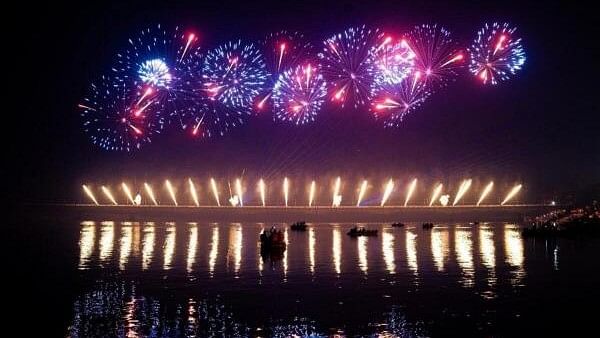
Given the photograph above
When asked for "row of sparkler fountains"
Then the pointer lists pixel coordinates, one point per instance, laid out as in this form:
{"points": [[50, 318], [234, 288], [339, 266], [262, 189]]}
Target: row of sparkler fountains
{"points": [[237, 199]]}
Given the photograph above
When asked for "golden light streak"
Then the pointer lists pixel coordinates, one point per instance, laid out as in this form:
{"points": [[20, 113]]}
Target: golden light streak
{"points": [[388, 191], [486, 191], [488, 252], [361, 192], [311, 194], [387, 247], [150, 193], [108, 195], [436, 193], [213, 185], [311, 249], [234, 251], [148, 246], [440, 247], [285, 190], [462, 190], [512, 193], [127, 192], [410, 191], [286, 239], [169, 247], [214, 250], [239, 192], [513, 246], [193, 192], [363, 262], [463, 245], [90, 194], [262, 189], [337, 198], [86, 245], [107, 236], [192, 245], [171, 191], [125, 246], [411, 252], [336, 250]]}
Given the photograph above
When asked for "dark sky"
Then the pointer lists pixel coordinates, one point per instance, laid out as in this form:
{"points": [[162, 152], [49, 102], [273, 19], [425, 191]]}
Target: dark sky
{"points": [[540, 128]]}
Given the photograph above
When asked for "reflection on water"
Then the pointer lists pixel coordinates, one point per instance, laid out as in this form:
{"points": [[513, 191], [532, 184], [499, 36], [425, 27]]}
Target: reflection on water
{"points": [[464, 255], [485, 258]]}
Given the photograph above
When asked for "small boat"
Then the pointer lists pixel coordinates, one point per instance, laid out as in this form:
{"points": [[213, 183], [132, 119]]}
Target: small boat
{"points": [[397, 224], [427, 225], [272, 239], [298, 226], [361, 231]]}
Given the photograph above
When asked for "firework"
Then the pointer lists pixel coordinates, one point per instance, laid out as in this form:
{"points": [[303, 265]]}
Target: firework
{"points": [[486, 191], [512, 193], [171, 191], [462, 190], [262, 189], [392, 63], [388, 191], [119, 116], [90, 194], [410, 191], [127, 193], [282, 51], [394, 102], [286, 188], [234, 74], [239, 191], [150, 193], [346, 60], [299, 94], [337, 198], [215, 191], [436, 193], [109, 195], [165, 62], [361, 192], [496, 54], [193, 192], [311, 194], [437, 56]]}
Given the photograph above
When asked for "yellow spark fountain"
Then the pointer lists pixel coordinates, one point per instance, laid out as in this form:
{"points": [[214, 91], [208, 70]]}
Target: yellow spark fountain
{"points": [[512, 193], [486, 191], [127, 192], [193, 192], [150, 193], [388, 191], [286, 187], [109, 195], [436, 193], [462, 190], [171, 191], [311, 194], [238, 191], [410, 191], [213, 185], [262, 190], [90, 194], [361, 192]]}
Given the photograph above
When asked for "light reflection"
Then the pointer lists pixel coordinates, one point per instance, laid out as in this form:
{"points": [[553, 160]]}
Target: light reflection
{"points": [[87, 235], [147, 246], [440, 247], [411, 252], [192, 244], [387, 247], [131, 324], [513, 244], [107, 236], [337, 250], [285, 252], [464, 255], [311, 249], [259, 256], [363, 263], [125, 246], [169, 248], [234, 251], [488, 252], [214, 250]]}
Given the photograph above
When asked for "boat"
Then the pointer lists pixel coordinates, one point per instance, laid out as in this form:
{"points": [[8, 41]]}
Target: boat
{"points": [[272, 239], [397, 224], [299, 226], [427, 225], [361, 231]]}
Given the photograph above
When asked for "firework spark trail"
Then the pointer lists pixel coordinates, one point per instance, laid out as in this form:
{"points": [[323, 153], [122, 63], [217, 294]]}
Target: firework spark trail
{"points": [[337, 198], [215, 191], [127, 192], [262, 190], [361, 193], [436, 193], [513, 192], [109, 195], [193, 192], [410, 191], [150, 193], [239, 192], [392, 64], [486, 191], [311, 194], [495, 55], [171, 192], [285, 190], [388, 191], [90, 194], [462, 190], [190, 39]]}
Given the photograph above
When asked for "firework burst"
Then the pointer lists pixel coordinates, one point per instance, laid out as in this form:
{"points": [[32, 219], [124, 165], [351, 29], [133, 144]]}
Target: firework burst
{"points": [[496, 53], [395, 101], [392, 63], [282, 50], [299, 94], [346, 62], [437, 56], [162, 62], [119, 116]]}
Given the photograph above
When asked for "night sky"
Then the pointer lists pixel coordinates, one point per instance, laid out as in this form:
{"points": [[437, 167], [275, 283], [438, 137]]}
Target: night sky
{"points": [[539, 128]]}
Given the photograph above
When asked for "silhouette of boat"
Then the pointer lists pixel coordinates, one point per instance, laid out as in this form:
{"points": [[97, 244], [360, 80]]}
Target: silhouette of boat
{"points": [[361, 231], [397, 224], [427, 225], [272, 240], [299, 226]]}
